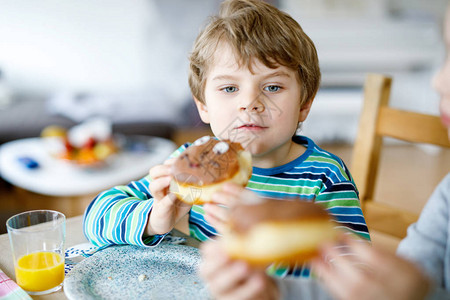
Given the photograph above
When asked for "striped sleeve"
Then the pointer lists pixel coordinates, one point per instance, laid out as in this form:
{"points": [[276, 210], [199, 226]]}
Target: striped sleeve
{"points": [[120, 214]]}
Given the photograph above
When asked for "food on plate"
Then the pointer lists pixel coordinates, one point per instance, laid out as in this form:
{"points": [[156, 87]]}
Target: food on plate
{"points": [[87, 144], [142, 277], [205, 166], [54, 131], [281, 231]]}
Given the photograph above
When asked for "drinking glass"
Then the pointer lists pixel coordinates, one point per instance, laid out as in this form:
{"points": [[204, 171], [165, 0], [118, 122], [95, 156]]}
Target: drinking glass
{"points": [[37, 242]]}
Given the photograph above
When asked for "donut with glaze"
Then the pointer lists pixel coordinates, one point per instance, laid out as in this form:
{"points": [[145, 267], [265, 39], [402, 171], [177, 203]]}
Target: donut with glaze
{"points": [[278, 231], [205, 166]]}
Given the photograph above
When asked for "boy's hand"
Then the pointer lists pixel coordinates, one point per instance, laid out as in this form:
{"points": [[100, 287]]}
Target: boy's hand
{"points": [[233, 279], [167, 209], [217, 213]]}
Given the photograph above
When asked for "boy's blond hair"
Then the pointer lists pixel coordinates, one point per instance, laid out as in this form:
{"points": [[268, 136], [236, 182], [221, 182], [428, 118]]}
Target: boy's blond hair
{"points": [[255, 30]]}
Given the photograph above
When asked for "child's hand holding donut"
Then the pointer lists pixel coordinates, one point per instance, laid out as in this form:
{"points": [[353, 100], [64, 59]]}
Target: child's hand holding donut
{"points": [[234, 279], [205, 166], [167, 209]]}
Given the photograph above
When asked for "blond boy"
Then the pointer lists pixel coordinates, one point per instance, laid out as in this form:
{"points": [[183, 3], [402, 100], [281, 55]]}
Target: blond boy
{"points": [[253, 75]]}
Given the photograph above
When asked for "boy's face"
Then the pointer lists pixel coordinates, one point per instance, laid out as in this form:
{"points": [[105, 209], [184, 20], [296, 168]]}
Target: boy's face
{"points": [[441, 81], [261, 110]]}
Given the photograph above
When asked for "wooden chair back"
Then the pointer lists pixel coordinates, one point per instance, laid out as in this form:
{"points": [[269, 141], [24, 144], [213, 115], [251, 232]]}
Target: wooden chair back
{"points": [[379, 120]]}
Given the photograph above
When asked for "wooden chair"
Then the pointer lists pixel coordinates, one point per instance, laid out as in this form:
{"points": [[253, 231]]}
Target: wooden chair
{"points": [[378, 120]]}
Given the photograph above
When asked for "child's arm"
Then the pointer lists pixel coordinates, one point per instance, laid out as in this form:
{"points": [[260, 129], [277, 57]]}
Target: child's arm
{"points": [[428, 240], [121, 214]]}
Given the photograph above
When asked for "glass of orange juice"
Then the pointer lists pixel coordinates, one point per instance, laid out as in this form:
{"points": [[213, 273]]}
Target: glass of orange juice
{"points": [[37, 241]]}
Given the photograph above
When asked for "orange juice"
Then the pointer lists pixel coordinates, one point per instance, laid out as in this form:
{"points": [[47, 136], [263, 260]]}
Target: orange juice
{"points": [[40, 271]]}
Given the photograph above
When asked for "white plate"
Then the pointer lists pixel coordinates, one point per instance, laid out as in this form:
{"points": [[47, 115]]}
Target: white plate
{"points": [[128, 272], [58, 178]]}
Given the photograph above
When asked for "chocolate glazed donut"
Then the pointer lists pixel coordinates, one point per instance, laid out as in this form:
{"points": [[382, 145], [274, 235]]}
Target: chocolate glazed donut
{"points": [[205, 166]]}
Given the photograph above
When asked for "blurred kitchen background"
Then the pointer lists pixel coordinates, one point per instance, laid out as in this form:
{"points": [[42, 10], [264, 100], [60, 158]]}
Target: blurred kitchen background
{"points": [[64, 61]]}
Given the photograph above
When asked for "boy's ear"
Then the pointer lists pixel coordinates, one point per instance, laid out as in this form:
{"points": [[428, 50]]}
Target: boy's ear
{"points": [[304, 110], [202, 111]]}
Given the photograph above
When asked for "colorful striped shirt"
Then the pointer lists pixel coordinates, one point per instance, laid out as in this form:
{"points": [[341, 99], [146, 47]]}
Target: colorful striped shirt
{"points": [[119, 215]]}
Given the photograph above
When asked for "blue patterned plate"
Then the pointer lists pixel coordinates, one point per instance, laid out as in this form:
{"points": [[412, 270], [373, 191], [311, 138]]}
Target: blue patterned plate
{"points": [[84, 249], [128, 272], [75, 254]]}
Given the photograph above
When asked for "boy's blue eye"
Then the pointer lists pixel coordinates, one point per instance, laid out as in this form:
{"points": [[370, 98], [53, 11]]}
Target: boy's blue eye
{"points": [[272, 88], [230, 89]]}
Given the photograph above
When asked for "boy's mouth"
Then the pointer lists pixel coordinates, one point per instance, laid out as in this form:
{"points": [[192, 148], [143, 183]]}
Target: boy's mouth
{"points": [[251, 127]]}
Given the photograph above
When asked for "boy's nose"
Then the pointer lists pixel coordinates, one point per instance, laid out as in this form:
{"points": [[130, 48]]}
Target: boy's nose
{"points": [[255, 106]]}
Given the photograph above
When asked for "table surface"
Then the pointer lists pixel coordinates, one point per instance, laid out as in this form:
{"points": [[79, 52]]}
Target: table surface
{"points": [[56, 177], [74, 236]]}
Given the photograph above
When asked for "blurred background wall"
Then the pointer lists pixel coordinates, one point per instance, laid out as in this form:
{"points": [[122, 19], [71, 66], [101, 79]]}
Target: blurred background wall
{"points": [[128, 59], [401, 38]]}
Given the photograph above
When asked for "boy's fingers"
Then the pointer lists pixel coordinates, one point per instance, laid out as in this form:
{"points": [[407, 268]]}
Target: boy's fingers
{"points": [[253, 287], [372, 256], [340, 265], [218, 212], [158, 187], [224, 198], [210, 247], [240, 192], [211, 266], [221, 273], [348, 267], [213, 249], [228, 278], [216, 223], [363, 256], [334, 281], [160, 171], [170, 161], [160, 184], [232, 188]]}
